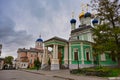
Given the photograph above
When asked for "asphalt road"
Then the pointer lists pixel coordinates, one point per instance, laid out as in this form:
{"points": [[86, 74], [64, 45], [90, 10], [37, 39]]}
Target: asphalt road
{"points": [[21, 75]]}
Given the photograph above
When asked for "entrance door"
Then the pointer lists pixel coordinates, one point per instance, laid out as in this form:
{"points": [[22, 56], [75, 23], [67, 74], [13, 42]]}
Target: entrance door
{"points": [[60, 58]]}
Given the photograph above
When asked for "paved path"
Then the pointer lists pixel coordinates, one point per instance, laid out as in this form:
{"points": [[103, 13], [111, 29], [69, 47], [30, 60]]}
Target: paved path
{"points": [[64, 75], [22, 75]]}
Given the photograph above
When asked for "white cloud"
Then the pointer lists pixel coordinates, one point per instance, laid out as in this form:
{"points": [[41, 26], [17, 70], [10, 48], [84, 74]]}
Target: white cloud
{"points": [[26, 19]]}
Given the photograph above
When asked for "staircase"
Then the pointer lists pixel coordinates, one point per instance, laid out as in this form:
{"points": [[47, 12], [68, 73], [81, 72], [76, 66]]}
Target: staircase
{"points": [[63, 67], [46, 68]]}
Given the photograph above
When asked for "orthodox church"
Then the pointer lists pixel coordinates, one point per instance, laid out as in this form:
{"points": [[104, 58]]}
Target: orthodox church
{"points": [[73, 53], [77, 51]]}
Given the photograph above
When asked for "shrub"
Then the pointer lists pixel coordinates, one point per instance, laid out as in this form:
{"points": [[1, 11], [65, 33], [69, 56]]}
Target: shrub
{"points": [[97, 71]]}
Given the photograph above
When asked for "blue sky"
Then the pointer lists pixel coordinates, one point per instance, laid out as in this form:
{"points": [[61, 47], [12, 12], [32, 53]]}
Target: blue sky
{"points": [[21, 21]]}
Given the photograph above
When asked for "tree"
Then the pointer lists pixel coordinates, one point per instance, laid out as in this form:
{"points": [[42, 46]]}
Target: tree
{"points": [[107, 33], [37, 63], [8, 60]]}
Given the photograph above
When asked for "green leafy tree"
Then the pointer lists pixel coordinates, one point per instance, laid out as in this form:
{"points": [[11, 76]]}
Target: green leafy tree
{"points": [[37, 63], [107, 33], [8, 60]]}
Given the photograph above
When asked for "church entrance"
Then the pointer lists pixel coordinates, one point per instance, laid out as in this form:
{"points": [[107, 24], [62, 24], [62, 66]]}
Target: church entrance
{"points": [[60, 58], [59, 48]]}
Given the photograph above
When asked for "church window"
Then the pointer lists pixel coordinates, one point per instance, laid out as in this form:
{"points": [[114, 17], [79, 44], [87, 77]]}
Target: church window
{"points": [[75, 53], [85, 37], [87, 56], [80, 37], [77, 37], [87, 51]]}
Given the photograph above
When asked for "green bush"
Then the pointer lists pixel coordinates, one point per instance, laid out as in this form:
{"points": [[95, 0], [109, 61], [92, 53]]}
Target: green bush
{"points": [[32, 68], [97, 71]]}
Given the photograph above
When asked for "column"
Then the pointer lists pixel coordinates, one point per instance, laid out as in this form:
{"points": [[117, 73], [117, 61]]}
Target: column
{"points": [[55, 60], [44, 61], [82, 53], [56, 53], [70, 58], [66, 54]]}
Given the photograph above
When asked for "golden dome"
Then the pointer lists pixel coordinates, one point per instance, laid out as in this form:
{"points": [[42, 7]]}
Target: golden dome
{"points": [[81, 14]]}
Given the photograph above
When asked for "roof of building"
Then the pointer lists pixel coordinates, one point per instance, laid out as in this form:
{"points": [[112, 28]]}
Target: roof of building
{"points": [[81, 14], [39, 40], [72, 21], [95, 21], [81, 27], [34, 50], [57, 38], [87, 14], [84, 41], [29, 50], [22, 50]]}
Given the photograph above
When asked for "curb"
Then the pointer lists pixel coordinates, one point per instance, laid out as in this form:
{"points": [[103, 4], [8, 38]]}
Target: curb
{"points": [[51, 75], [114, 78]]}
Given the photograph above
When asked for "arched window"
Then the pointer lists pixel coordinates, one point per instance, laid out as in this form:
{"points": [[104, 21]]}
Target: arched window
{"points": [[87, 56], [75, 53]]}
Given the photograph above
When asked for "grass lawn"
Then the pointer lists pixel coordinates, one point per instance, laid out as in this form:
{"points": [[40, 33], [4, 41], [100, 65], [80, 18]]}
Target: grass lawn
{"points": [[98, 71]]}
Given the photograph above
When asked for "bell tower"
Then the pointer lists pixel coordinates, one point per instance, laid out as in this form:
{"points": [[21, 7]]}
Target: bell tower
{"points": [[39, 43]]}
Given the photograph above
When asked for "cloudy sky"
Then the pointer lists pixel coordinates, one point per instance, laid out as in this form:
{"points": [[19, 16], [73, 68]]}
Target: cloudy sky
{"points": [[22, 21]]}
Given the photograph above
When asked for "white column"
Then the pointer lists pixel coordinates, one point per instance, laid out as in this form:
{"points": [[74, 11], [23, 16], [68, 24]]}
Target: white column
{"points": [[70, 58], [66, 54], [43, 59], [82, 53], [56, 52], [55, 60]]}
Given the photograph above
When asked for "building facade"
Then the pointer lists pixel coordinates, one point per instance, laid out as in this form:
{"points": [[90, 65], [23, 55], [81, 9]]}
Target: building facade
{"points": [[26, 57], [77, 52]]}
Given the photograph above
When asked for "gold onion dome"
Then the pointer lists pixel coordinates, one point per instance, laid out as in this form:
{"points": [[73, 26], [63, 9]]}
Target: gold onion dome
{"points": [[81, 14]]}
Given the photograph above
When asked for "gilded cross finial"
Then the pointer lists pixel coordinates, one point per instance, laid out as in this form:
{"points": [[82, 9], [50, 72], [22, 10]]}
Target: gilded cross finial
{"points": [[72, 14], [40, 36]]}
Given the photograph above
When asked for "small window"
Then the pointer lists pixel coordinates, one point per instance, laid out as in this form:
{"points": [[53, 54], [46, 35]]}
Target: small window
{"points": [[87, 55], [77, 37], [85, 37], [76, 54]]}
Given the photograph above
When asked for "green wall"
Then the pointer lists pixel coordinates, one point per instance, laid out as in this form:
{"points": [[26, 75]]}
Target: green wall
{"points": [[85, 46], [107, 62], [76, 45]]}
